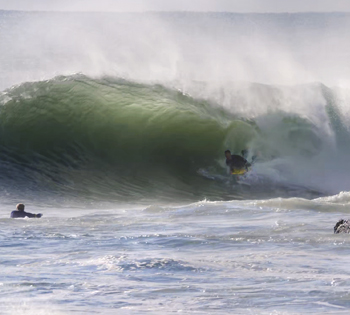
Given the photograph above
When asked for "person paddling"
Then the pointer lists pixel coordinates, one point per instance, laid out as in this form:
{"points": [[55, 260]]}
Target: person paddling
{"points": [[20, 213]]}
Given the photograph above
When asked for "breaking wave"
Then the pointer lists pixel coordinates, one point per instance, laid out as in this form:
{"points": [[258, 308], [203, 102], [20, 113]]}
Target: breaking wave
{"points": [[85, 136]]}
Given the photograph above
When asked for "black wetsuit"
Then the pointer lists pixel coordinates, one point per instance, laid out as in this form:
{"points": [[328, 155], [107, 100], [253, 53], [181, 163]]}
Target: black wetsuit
{"points": [[23, 214], [237, 162], [342, 226]]}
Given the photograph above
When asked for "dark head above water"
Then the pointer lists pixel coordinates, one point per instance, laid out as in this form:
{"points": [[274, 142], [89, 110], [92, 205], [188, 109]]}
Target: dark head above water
{"points": [[20, 213], [342, 226], [244, 153], [20, 207], [228, 154]]}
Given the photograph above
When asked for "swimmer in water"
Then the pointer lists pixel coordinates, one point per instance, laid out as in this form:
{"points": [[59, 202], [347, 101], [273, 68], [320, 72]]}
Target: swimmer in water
{"points": [[20, 213]]}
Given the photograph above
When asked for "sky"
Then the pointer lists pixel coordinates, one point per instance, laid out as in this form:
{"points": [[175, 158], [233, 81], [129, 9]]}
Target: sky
{"points": [[259, 6]]}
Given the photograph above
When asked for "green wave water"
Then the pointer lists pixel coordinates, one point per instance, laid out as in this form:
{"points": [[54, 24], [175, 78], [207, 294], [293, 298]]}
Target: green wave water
{"points": [[110, 137]]}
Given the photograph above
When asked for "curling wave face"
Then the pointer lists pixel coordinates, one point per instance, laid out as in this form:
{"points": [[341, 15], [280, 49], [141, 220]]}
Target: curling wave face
{"points": [[96, 137]]}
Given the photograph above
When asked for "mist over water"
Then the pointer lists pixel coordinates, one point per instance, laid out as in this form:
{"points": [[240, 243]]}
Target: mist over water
{"points": [[181, 47]]}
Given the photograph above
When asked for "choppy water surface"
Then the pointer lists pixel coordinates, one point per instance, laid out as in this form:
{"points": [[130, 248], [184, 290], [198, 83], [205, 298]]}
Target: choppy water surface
{"points": [[260, 257]]}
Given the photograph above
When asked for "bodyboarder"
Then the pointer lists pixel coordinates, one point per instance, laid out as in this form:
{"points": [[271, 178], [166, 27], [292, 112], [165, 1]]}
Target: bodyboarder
{"points": [[235, 162], [20, 213]]}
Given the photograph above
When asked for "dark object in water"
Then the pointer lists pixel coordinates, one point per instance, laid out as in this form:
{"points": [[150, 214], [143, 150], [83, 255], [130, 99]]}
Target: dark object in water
{"points": [[342, 226]]}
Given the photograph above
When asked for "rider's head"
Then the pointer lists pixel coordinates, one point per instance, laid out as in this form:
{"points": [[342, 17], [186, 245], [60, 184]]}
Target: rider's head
{"points": [[20, 207]]}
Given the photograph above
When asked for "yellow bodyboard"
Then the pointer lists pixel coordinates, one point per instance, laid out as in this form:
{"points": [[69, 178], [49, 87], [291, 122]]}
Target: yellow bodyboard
{"points": [[240, 171]]}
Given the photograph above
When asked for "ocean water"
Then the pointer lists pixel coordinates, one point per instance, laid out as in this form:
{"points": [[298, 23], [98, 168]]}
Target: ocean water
{"points": [[114, 127]]}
